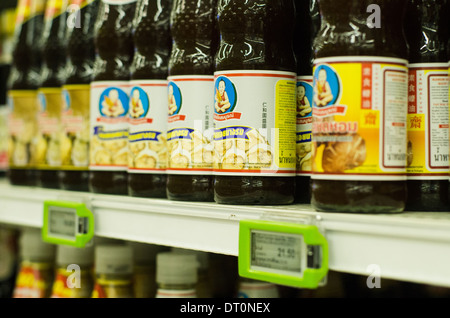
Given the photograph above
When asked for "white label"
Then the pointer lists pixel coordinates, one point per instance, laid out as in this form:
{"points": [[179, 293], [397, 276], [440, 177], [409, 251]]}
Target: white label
{"points": [[258, 290], [169, 293], [395, 105], [189, 134], [428, 121], [109, 125], [255, 123], [147, 127], [304, 124]]}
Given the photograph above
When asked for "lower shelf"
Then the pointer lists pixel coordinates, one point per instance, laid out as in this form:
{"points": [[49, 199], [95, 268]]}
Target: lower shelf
{"points": [[411, 246]]}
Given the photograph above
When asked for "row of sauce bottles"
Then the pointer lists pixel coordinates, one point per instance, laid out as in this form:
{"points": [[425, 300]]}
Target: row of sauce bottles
{"points": [[344, 105], [110, 268]]}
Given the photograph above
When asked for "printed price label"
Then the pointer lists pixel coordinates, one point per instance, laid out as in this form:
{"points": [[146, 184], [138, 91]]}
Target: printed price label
{"points": [[278, 252]]}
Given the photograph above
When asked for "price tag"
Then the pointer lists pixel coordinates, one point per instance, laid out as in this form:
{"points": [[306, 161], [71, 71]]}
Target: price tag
{"points": [[69, 223], [282, 253]]}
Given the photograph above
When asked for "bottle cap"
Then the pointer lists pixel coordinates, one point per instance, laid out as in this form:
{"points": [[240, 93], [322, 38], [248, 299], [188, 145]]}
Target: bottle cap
{"points": [[33, 248], [83, 256], [113, 259], [176, 268]]}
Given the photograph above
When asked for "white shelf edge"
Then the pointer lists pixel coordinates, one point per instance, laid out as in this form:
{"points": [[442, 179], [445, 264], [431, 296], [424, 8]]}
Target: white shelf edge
{"points": [[407, 246]]}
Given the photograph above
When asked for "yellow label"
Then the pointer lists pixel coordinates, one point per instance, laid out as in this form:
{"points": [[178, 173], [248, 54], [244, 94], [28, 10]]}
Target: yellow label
{"points": [[48, 148], [23, 11], [359, 118], [285, 123], [22, 129], [33, 281], [55, 8], [75, 127], [61, 288], [428, 121]]}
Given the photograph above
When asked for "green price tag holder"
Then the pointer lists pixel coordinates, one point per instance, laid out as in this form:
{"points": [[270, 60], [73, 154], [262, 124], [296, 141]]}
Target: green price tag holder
{"points": [[67, 223], [289, 254]]}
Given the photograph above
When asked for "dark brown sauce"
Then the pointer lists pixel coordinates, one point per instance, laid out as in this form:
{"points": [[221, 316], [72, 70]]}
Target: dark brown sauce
{"points": [[193, 31], [80, 66], [25, 75], [306, 27], [264, 27], [153, 44], [113, 25], [53, 74], [427, 32], [344, 32]]}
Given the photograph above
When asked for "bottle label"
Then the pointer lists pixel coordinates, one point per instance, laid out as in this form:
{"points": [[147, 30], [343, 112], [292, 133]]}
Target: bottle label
{"points": [[61, 289], [48, 148], [32, 281], [23, 129], [169, 293], [3, 138], [81, 3], [104, 288], [304, 124], [254, 118], [75, 127], [148, 127], [258, 290], [23, 11], [118, 2], [359, 118], [189, 134], [109, 126], [428, 121], [98, 292], [55, 8]]}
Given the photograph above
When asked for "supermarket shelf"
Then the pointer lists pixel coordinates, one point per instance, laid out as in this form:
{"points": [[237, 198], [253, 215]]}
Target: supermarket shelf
{"points": [[408, 246]]}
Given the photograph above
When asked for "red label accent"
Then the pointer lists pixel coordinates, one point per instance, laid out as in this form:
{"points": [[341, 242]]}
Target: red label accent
{"points": [[177, 118], [222, 117]]}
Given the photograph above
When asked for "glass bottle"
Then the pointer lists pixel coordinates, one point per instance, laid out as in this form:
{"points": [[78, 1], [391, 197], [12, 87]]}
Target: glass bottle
{"points": [[113, 271], [359, 108], [109, 104], [23, 82], [176, 275], [191, 77], [148, 100], [74, 272], [53, 74], [37, 265], [307, 25], [254, 113], [428, 117], [74, 173]]}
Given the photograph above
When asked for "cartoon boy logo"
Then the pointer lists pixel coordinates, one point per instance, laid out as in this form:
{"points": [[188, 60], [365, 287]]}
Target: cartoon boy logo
{"points": [[174, 99], [65, 101], [112, 105], [303, 105], [139, 103], [225, 96], [323, 94]]}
